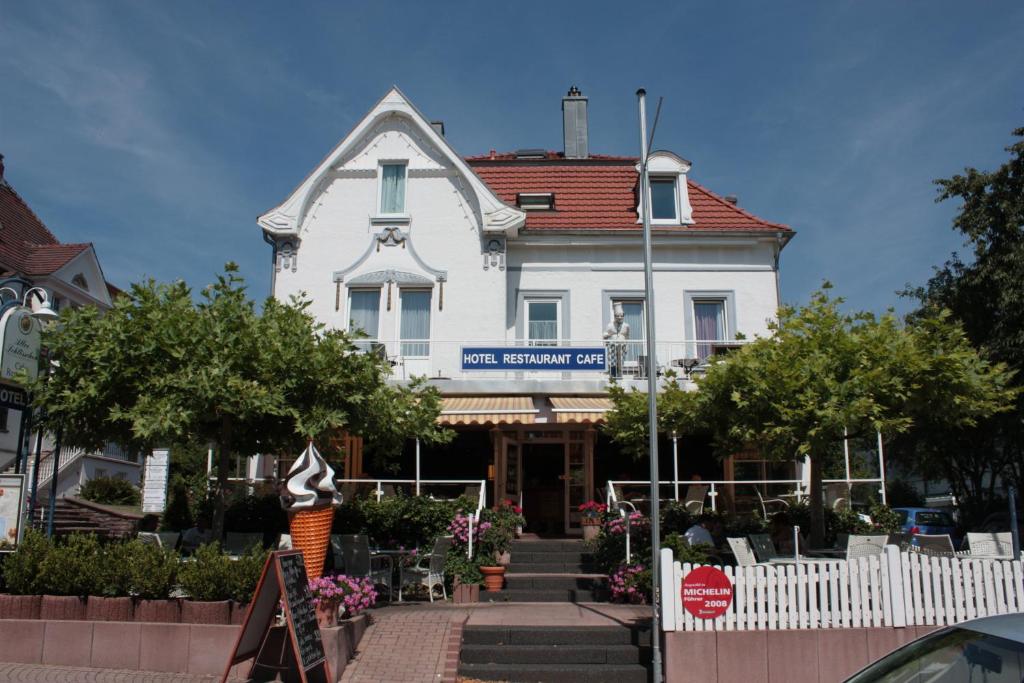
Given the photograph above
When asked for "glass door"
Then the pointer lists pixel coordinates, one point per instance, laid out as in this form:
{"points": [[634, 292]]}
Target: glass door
{"points": [[576, 480]]}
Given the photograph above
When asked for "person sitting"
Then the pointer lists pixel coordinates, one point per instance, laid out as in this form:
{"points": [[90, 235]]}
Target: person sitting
{"points": [[196, 536], [700, 532]]}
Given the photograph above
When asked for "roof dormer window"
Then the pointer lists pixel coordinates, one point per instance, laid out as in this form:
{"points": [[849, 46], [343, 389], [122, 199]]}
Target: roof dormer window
{"points": [[536, 201], [663, 198], [667, 189]]}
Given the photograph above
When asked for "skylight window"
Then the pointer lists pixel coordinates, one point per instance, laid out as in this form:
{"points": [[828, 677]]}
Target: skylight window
{"points": [[536, 201]]}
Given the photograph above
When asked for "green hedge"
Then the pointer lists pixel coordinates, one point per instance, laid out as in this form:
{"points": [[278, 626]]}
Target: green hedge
{"points": [[408, 521], [110, 491]]}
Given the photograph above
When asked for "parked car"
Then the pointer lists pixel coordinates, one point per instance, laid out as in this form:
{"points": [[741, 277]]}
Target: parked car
{"points": [[928, 521], [990, 649]]}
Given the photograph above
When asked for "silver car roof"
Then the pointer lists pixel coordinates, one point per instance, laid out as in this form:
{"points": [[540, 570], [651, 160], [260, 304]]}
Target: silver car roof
{"points": [[1008, 626]]}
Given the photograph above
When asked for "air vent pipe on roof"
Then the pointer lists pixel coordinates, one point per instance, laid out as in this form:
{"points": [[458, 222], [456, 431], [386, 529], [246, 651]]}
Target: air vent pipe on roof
{"points": [[732, 199], [574, 124]]}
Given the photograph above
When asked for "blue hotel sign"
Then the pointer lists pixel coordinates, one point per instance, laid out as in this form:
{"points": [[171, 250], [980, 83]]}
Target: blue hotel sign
{"points": [[554, 358]]}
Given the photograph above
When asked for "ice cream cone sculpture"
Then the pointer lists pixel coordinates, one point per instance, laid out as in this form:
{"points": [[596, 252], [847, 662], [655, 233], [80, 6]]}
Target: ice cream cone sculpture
{"points": [[310, 498]]}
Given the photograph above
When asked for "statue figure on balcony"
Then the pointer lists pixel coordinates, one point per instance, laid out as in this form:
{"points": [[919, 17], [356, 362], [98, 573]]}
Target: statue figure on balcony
{"points": [[616, 334]]}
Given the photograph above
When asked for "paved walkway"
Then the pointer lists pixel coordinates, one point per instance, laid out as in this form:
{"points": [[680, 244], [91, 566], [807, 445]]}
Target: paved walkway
{"points": [[409, 644], [74, 674]]}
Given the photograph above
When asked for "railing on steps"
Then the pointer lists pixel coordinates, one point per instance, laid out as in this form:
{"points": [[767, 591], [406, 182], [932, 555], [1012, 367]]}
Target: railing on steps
{"points": [[69, 457]]}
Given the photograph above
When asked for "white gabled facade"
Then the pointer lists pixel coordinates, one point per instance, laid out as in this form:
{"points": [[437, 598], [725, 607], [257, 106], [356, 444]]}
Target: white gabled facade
{"points": [[394, 221]]}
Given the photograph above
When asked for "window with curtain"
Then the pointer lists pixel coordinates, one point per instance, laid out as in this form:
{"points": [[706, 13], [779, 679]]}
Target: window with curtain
{"points": [[633, 315], [663, 198], [709, 325], [364, 314], [542, 323], [392, 188], [414, 326]]}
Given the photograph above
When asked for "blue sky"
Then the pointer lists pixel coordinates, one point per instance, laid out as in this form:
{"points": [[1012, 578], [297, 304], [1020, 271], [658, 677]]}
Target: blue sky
{"points": [[159, 131]]}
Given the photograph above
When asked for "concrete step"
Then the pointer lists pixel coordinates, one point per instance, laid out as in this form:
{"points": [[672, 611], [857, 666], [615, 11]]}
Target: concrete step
{"points": [[544, 595], [550, 556], [552, 581], [550, 568], [549, 545], [556, 635], [563, 654], [556, 673]]}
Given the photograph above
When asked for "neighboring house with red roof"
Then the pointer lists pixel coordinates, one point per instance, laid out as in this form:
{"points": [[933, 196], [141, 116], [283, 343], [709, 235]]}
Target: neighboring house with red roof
{"points": [[509, 280], [71, 275]]}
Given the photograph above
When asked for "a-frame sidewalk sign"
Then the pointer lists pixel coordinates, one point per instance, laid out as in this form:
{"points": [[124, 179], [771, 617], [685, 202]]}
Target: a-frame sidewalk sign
{"points": [[300, 655]]}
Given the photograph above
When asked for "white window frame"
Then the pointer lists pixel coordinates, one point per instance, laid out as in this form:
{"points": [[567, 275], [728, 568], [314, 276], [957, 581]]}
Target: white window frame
{"points": [[398, 320], [404, 163], [375, 336], [558, 320], [675, 198]]}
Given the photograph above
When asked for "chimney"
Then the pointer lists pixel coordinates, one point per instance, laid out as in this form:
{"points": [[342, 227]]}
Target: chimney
{"points": [[1, 166], [574, 124], [438, 127]]}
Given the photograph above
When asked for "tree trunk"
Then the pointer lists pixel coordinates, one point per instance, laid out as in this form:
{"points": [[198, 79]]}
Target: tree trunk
{"points": [[220, 495], [817, 505]]}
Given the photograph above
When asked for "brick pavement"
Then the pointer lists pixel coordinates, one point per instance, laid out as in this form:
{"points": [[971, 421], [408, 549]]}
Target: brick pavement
{"points": [[409, 644], [30, 673]]}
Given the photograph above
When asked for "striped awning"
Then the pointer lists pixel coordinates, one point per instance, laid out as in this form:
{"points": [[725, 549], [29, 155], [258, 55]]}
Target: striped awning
{"points": [[487, 410], [579, 408]]}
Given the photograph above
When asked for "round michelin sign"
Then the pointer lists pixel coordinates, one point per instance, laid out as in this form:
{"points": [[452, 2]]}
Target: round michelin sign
{"points": [[706, 592]]}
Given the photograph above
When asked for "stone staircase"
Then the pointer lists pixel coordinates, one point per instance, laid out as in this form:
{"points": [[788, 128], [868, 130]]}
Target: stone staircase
{"points": [[550, 571], [72, 515], [560, 654]]}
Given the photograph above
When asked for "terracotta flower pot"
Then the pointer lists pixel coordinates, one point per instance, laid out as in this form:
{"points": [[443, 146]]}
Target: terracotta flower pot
{"points": [[494, 578], [158, 611], [465, 593], [591, 529], [505, 558], [327, 614], [19, 606], [99, 608], [238, 610], [62, 608], [206, 612]]}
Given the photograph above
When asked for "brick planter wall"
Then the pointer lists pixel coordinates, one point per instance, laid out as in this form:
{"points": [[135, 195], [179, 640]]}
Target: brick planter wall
{"points": [[203, 612], [133, 646], [108, 609], [62, 607], [158, 611]]}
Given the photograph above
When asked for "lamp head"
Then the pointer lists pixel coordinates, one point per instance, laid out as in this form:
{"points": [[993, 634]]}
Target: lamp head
{"points": [[45, 312]]}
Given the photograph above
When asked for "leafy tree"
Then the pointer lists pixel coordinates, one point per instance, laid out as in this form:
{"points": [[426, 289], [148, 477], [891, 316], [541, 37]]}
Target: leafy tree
{"points": [[822, 374], [984, 293], [628, 424], [160, 368]]}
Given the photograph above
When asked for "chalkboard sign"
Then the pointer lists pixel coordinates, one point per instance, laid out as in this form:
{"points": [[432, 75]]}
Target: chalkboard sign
{"points": [[284, 574], [299, 604]]}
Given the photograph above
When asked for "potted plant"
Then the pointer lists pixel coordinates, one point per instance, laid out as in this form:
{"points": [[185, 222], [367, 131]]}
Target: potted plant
{"points": [[493, 541], [507, 518], [591, 519], [327, 596], [67, 575], [153, 574], [207, 582], [245, 574], [21, 575], [466, 576], [110, 601]]}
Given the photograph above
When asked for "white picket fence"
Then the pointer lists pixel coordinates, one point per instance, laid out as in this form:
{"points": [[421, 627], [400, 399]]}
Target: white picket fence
{"points": [[892, 589]]}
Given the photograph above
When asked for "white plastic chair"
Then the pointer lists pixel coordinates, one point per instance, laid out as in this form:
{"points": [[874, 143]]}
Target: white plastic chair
{"points": [[765, 502], [695, 495], [430, 574], [994, 545], [864, 546], [743, 552], [934, 544]]}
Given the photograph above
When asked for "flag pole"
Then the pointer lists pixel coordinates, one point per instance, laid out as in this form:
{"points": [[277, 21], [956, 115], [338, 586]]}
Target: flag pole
{"points": [[652, 394]]}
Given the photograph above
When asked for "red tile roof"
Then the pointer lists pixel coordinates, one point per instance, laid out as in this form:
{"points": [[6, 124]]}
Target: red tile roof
{"points": [[27, 247], [599, 193]]}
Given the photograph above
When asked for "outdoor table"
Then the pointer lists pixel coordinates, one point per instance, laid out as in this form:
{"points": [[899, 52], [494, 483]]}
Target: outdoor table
{"points": [[399, 558]]}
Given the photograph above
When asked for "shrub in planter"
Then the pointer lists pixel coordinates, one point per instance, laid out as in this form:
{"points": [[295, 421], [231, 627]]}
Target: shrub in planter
{"points": [[68, 573], [245, 574], [110, 491], [21, 577], [110, 601], [207, 581], [153, 574]]}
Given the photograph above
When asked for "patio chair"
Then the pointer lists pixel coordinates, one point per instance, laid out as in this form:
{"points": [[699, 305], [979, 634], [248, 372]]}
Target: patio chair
{"points": [[934, 544], [695, 496], [149, 538], [357, 560], [238, 543], [763, 547], [742, 551], [865, 546], [169, 539], [766, 502], [904, 541], [994, 545], [284, 542], [428, 570], [387, 491], [837, 496], [348, 492]]}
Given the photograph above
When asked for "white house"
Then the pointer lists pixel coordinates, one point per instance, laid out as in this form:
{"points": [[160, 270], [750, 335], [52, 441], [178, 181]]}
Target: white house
{"points": [[70, 275], [454, 263]]}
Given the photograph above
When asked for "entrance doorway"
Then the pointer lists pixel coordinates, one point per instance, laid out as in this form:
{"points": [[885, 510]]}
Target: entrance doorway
{"points": [[544, 488]]}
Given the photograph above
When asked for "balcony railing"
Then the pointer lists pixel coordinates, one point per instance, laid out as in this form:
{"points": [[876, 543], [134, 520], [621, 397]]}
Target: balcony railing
{"points": [[438, 358]]}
